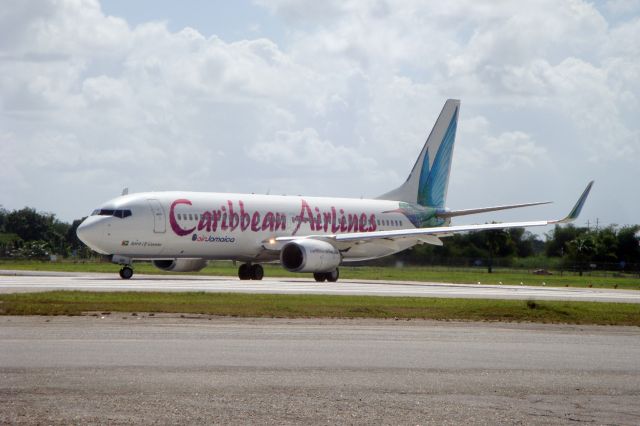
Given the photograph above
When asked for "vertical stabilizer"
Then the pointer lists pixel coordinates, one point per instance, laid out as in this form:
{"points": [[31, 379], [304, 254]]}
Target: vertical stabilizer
{"points": [[429, 179]]}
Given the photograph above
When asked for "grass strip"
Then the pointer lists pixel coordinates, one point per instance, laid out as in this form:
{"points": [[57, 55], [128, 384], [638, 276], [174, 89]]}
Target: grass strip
{"points": [[406, 273], [320, 306]]}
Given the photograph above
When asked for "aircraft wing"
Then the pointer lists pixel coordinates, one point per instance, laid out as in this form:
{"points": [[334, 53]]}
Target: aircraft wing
{"points": [[432, 235]]}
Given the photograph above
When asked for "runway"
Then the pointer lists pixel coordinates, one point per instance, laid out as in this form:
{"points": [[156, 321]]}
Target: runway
{"points": [[124, 369], [27, 281]]}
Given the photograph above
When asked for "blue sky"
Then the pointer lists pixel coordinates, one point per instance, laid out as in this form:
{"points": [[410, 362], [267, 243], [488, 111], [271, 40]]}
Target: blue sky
{"points": [[330, 98]]}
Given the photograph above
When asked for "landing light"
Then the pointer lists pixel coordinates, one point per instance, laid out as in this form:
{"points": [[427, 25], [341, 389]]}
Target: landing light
{"points": [[272, 240]]}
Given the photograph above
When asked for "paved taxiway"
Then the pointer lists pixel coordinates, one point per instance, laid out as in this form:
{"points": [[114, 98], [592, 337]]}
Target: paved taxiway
{"points": [[23, 281], [166, 369]]}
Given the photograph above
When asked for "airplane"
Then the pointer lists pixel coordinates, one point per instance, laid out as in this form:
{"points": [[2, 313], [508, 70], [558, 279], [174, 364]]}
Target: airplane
{"points": [[180, 231]]}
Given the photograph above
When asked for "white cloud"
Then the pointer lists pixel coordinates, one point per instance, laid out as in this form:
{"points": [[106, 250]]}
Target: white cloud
{"points": [[90, 104], [307, 151], [484, 152], [511, 150]]}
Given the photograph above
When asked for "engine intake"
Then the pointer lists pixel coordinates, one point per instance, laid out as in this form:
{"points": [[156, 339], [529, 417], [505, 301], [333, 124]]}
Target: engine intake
{"points": [[307, 255], [180, 265]]}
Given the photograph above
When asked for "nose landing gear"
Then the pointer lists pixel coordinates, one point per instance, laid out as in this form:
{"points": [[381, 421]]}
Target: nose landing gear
{"points": [[247, 271], [126, 272]]}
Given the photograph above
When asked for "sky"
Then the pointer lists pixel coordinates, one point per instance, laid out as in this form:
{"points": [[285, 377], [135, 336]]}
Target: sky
{"points": [[332, 98]]}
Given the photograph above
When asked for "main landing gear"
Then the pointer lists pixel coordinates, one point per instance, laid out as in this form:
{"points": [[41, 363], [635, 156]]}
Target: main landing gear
{"points": [[332, 276], [126, 272], [247, 271]]}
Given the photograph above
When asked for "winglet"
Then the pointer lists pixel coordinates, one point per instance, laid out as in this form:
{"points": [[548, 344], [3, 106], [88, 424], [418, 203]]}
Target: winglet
{"points": [[575, 211]]}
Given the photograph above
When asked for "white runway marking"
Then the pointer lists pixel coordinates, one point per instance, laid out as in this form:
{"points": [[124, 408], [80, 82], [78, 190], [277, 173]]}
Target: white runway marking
{"points": [[19, 281]]}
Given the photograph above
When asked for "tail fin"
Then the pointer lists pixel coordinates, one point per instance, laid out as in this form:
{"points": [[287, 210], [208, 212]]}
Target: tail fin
{"points": [[429, 179]]}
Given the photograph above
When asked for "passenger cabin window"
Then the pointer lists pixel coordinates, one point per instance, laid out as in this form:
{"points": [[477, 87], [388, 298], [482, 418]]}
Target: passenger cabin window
{"points": [[190, 216]]}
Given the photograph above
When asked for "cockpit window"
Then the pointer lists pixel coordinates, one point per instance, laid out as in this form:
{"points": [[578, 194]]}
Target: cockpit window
{"points": [[110, 212], [122, 213]]}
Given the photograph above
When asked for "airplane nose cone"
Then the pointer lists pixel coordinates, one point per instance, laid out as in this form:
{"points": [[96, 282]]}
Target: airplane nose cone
{"points": [[91, 233]]}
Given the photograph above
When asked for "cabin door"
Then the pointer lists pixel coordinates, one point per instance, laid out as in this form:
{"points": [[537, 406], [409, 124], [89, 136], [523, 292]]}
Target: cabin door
{"points": [[159, 221]]}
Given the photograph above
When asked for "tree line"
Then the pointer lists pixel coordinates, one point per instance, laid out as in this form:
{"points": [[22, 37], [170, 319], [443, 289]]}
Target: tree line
{"points": [[27, 233], [567, 246]]}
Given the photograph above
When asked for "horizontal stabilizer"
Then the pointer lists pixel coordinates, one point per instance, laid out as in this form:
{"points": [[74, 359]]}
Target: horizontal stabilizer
{"points": [[454, 213]]}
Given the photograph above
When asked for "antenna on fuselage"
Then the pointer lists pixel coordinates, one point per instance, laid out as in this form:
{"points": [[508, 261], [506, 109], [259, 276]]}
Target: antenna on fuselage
{"points": [[125, 191]]}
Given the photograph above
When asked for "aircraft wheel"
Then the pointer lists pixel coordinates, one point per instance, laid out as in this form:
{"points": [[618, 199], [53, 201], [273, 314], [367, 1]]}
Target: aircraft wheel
{"points": [[256, 272], [126, 273], [332, 276], [244, 272], [320, 276]]}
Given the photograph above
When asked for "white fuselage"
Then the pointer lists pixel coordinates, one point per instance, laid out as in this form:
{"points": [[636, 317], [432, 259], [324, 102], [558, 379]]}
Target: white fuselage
{"points": [[168, 225]]}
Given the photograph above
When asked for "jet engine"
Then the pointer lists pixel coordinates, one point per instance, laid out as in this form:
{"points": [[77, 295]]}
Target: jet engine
{"points": [[180, 265], [307, 255]]}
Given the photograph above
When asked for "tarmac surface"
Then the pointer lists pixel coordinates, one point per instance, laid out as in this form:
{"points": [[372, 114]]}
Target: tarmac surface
{"points": [[29, 281], [126, 368]]}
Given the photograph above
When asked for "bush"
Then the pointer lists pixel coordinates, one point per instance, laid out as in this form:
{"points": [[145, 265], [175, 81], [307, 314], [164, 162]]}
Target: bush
{"points": [[32, 250]]}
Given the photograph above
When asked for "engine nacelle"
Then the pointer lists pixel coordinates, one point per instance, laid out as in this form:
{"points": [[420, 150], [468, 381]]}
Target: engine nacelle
{"points": [[306, 255], [180, 265]]}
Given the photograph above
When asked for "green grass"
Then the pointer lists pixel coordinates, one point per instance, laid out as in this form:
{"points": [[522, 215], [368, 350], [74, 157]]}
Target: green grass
{"points": [[406, 273], [499, 276], [323, 306]]}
